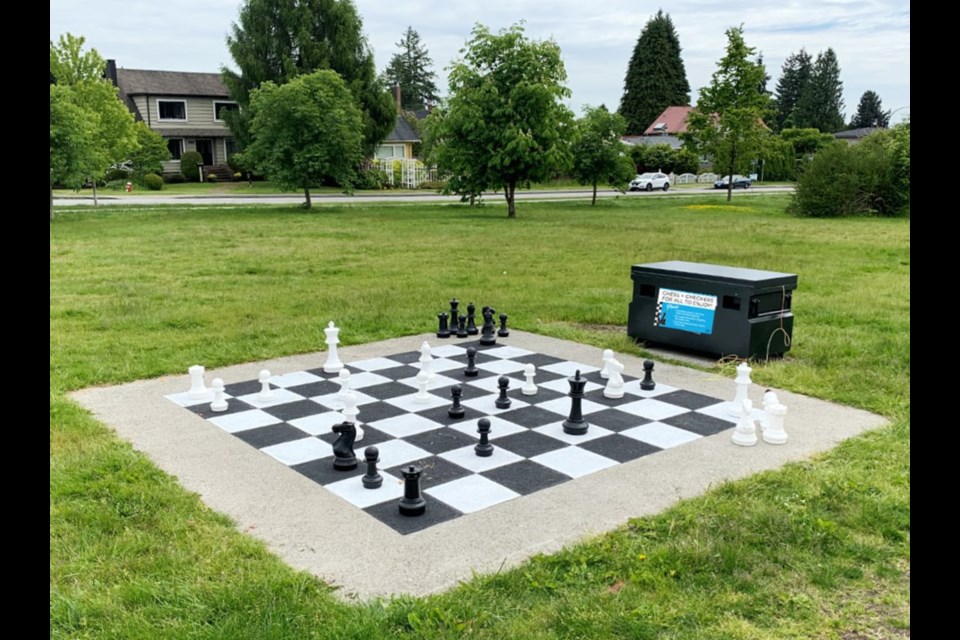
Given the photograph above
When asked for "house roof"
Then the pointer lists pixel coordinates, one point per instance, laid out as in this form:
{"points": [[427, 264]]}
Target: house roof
{"points": [[856, 133], [402, 132], [171, 83], [194, 133], [672, 121], [673, 141]]}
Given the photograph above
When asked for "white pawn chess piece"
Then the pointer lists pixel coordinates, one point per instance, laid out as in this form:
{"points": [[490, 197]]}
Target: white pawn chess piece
{"points": [[426, 360], [529, 388], [607, 357], [266, 393], [423, 378], [219, 401], [333, 364], [745, 433], [769, 399], [350, 413], [774, 433], [743, 386], [198, 390], [614, 388], [345, 387]]}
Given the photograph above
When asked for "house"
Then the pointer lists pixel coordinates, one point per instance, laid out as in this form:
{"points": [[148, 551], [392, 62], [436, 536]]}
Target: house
{"points": [[853, 136], [398, 144], [184, 107], [665, 129]]}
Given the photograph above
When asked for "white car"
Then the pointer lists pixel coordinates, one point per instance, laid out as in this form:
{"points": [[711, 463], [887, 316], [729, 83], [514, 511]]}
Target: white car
{"points": [[649, 182]]}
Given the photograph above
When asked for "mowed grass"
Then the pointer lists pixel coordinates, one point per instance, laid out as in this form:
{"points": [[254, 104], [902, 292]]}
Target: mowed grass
{"points": [[819, 549]]}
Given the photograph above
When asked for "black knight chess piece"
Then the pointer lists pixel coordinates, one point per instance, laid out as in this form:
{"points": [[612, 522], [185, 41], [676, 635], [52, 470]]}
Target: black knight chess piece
{"points": [[343, 457]]}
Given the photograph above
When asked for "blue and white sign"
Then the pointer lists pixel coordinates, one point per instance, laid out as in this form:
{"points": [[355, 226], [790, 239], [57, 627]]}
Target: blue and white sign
{"points": [[685, 311]]}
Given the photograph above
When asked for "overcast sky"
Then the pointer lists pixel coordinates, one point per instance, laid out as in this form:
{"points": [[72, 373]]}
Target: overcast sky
{"points": [[870, 37]]}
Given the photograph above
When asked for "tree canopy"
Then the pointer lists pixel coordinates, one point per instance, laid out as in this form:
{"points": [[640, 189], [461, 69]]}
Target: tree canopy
{"points": [[794, 81], [504, 124], [870, 112], [305, 131], [656, 78], [820, 104], [598, 153], [411, 69], [278, 40]]}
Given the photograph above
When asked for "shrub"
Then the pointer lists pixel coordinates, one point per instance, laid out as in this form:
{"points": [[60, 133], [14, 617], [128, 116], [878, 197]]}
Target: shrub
{"points": [[116, 173], [237, 177], [188, 165], [174, 178], [371, 178], [433, 185], [116, 185], [211, 177], [153, 182]]}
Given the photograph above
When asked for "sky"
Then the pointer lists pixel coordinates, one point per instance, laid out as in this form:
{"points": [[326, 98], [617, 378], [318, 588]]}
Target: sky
{"points": [[871, 38]]}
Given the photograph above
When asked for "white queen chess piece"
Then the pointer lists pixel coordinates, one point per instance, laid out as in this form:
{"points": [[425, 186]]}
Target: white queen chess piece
{"points": [[333, 364]]}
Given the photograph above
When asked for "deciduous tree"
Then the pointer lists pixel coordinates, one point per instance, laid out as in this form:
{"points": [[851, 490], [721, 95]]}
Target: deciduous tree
{"points": [[72, 141], [598, 153]]}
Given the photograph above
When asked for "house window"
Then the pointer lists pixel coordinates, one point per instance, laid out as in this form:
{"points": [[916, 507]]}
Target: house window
{"points": [[389, 151], [172, 109], [220, 107], [175, 145]]}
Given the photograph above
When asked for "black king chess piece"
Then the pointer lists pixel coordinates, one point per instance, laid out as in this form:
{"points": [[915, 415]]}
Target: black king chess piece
{"points": [[412, 503], [472, 320], [443, 331], [343, 456], [503, 332], [486, 336], [575, 425], [372, 479], [483, 448], [647, 384]]}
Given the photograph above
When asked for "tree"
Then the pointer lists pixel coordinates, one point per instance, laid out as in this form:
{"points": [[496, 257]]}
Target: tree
{"points": [[278, 40], [870, 112], [72, 141], [305, 131], [411, 70], [150, 153], [656, 78], [820, 106], [504, 124], [598, 153], [794, 81], [727, 123]]}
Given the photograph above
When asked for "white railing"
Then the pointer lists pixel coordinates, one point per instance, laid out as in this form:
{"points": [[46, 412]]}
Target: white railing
{"points": [[411, 172], [686, 178], [708, 177]]}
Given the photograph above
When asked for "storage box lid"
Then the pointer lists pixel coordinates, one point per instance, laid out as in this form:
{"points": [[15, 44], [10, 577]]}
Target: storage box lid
{"points": [[714, 273]]}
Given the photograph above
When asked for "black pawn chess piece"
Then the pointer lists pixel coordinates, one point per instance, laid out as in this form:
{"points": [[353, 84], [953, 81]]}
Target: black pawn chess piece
{"points": [[454, 305], [472, 320], [443, 331], [575, 424], [456, 410], [483, 448], [486, 335], [412, 503], [647, 384], [471, 371], [503, 332], [372, 479], [503, 402], [343, 456], [462, 327]]}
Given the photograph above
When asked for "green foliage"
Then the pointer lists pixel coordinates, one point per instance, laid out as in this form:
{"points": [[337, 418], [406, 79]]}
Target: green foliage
{"points": [[656, 78], [784, 155], [174, 178], [188, 165], [820, 104], [70, 65], [151, 151], [116, 173], [505, 123], [411, 70], [211, 177], [278, 40], [371, 178], [794, 82], [305, 132], [72, 140], [153, 182], [870, 112], [598, 151]]}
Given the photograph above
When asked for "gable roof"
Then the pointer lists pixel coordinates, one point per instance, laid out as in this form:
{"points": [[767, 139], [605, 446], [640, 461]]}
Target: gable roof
{"points": [[134, 82], [672, 121], [855, 134], [402, 132]]}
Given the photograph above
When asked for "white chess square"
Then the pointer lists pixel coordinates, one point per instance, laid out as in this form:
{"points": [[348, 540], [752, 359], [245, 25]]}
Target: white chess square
{"points": [[447, 351], [277, 396], [374, 364], [568, 369], [297, 451], [318, 423], [293, 379], [471, 493], [335, 400], [366, 379], [353, 491], [501, 367], [574, 461], [243, 420], [506, 352], [660, 435], [440, 364], [436, 382], [721, 410], [394, 452], [633, 388], [411, 404], [555, 430], [563, 385], [467, 458], [652, 409], [404, 425], [184, 400], [498, 428], [562, 406], [487, 404]]}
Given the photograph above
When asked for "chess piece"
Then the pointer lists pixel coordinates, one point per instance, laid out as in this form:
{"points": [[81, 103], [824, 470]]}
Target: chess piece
{"points": [[769, 399], [333, 364], [345, 389], [371, 479], [422, 396], [472, 320], [350, 413], [745, 433], [503, 402], [647, 384], [774, 433], [454, 314], [529, 388], [412, 503], [426, 360], [743, 386], [486, 333], [456, 411], [266, 393], [575, 424], [198, 389], [443, 331], [471, 371], [462, 327], [614, 388], [219, 401], [607, 356], [503, 332], [343, 456], [483, 448]]}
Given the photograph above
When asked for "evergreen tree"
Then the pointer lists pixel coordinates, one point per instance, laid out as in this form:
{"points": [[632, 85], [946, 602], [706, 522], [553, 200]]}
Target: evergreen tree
{"points": [[411, 70], [870, 112], [656, 78], [794, 80], [821, 105], [278, 40]]}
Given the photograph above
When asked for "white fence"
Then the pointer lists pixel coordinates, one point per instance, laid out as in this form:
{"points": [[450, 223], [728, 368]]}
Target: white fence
{"points": [[708, 177], [406, 173], [686, 178]]}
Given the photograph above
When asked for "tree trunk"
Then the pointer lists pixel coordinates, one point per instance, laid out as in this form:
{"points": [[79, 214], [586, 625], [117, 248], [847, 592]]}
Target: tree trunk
{"points": [[510, 193], [594, 202], [306, 192], [733, 157], [94, 192]]}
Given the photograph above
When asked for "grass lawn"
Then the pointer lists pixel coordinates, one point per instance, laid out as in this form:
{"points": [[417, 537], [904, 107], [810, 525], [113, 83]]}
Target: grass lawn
{"points": [[818, 549]]}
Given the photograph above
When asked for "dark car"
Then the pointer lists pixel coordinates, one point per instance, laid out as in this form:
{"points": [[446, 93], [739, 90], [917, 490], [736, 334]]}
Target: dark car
{"points": [[739, 182]]}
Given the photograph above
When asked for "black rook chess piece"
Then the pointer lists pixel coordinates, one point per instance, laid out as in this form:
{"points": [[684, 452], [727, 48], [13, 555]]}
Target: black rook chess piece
{"points": [[472, 320], [483, 448], [457, 410], [503, 402], [471, 371], [462, 327], [575, 424], [372, 479], [647, 384], [443, 331], [343, 456], [503, 332], [486, 335], [412, 503]]}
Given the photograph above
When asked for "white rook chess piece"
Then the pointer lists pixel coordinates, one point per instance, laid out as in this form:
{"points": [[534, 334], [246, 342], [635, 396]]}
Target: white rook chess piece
{"points": [[266, 393], [607, 357], [745, 434], [529, 388], [614, 388], [423, 378], [426, 360], [198, 390], [333, 364], [774, 433], [219, 401], [743, 386]]}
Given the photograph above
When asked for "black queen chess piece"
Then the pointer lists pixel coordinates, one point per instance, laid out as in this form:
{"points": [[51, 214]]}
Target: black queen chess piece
{"points": [[412, 503], [575, 424]]}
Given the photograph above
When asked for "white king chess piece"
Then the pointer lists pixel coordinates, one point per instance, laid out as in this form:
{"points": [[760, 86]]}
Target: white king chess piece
{"points": [[333, 364]]}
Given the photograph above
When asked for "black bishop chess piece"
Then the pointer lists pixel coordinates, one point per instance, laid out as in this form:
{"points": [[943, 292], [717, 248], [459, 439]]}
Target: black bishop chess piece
{"points": [[647, 384], [462, 327], [471, 371], [503, 332], [443, 331], [503, 402], [454, 314], [412, 503], [456, 411], [372, 478], [575, 424], [486, 335], [343, 457], [483, 448], [472, 320]]}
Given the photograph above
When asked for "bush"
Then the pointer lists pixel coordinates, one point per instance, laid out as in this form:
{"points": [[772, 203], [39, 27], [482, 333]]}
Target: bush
{"points": [[188, 165], [369, 179], [237, 177], [153, 182], [211, 177], [116, 185], [174, 178], [116, 173], [433, 185]]}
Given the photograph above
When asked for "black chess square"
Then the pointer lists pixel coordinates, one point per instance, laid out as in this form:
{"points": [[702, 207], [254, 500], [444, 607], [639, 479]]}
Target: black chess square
{"points": [[440, 440], [688, 399], [698, 423], [261, 437], [619, 448], [525, 477], [528, 443]]}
